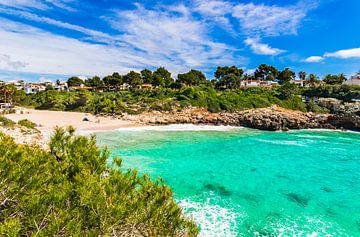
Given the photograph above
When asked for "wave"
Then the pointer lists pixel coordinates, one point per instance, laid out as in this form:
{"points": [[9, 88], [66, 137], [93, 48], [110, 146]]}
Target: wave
{"points": [[179, 127], [301, 226], [213, 220]]}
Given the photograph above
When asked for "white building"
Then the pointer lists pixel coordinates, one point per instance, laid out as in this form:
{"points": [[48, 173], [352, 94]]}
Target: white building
{"points": [[31, 88], [354, 80], [256, 83], [300, 83]]}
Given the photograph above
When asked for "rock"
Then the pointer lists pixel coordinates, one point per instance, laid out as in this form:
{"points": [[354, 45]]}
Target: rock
{"points": [[271, 119]]}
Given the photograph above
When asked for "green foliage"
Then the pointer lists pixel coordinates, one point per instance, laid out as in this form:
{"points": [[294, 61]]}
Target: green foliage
{"points": [[266, 72], [286, 76], [5, 122], [334, 79], [75, 81], [287, 90], [191, 78], [229, 77], [27, 123], [70, 191], [312, 107], [136, 101], [9, 94], [341, 92]]}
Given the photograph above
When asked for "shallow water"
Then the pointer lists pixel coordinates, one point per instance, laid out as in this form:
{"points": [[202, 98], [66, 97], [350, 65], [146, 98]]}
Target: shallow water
{"points": [[244, 182]]}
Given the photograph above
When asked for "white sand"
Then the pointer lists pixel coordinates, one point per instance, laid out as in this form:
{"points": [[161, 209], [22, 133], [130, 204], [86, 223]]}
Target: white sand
{"points": [[48, 120]]}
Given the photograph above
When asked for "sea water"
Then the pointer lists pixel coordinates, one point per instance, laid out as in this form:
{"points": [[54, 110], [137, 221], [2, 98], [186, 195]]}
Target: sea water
{"points": [[245, 182]]}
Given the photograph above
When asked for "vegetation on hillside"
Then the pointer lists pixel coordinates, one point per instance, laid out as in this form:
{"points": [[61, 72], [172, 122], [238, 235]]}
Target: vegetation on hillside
{"points": [[157, 90], [70, 191]]}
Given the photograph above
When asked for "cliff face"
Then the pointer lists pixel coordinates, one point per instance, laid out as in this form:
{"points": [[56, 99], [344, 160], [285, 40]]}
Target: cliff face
{"points": [[271, 119]]}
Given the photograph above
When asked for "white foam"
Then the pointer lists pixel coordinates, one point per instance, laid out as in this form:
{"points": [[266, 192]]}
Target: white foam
{"points": [[283, 142], [213, 220], [179, 127], [302, 226]]}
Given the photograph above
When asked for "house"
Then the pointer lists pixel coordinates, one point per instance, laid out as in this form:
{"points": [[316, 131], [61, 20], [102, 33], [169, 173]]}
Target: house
{"points": [[62, 86], [146, 86], [31, 88], [19, 84], [301, 83], [354, 80], [256, 83]]}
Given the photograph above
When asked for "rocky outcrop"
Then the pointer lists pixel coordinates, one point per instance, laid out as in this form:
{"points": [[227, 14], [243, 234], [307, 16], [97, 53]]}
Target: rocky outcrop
{"points": [[338, 106], [271, 119]]}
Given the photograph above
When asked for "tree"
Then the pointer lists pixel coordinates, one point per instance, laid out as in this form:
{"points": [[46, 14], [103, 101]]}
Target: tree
{"points": [[74, 81], [266, 72], [164, 76], [302, 75], [313, 79], [286, 75], [133, 79], [78, 194], [192, 78], [229, 77], [147, 76], [58, 82], [334, 79], [113, 81], [95, 82], [9, 94], [286, 91]]}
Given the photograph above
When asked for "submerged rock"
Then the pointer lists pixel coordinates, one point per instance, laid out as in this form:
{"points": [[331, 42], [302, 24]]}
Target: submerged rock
{"points": [[298, 199]]}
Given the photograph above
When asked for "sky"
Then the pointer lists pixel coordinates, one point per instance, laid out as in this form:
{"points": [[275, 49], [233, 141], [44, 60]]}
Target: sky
{"points": [[54, 39]]}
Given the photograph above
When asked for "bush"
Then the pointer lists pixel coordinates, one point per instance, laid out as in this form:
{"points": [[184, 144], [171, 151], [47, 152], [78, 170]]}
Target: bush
{"points": [[6, 122], [70, 191], [27, 123]]}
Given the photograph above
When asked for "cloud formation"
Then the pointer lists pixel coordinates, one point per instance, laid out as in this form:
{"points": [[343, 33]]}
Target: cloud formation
{"points": [[260, 48], [314, 59], [176, 36], [344, 54]]}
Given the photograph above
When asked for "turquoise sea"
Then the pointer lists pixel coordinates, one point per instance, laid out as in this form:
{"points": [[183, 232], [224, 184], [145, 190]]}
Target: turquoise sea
{"points": [[245, 182]]}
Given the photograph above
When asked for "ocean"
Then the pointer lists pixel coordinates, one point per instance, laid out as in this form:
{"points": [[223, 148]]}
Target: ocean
{"points": [[245, 182]]}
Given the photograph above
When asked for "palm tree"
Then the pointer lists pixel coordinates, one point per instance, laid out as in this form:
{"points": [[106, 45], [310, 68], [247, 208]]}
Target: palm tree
{"points": [[302, 75]]}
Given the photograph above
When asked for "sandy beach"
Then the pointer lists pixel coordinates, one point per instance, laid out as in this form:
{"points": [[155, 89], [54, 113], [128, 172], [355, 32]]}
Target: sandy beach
{"points": [[47, 121]]}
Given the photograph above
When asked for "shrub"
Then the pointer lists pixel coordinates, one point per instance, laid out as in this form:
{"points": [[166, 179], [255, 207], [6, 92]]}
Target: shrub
{"points": [[6, 122], [27, 123], [70, 191]]}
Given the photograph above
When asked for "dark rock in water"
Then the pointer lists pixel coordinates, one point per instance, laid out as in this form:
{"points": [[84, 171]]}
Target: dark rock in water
{"points": [[326, 189], [218, 189], [250, 198], [282, 176], [253, 169], [330, 212], [301, 201]]}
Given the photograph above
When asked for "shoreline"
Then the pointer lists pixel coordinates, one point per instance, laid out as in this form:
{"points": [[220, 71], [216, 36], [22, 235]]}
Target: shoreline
{"points": [[188, 120]]}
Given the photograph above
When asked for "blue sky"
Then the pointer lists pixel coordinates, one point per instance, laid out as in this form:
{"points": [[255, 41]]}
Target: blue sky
{"points": [[50, 39]]}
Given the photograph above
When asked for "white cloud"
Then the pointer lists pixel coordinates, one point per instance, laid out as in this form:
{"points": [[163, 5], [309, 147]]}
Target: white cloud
{"points": [[64, 4], [344, 54], [215, 10], [6, 63], [95, 35], [150, 39], [314, 59], [270, 20], [24, 4], [38, 4], [179, 37], [263, 49]]}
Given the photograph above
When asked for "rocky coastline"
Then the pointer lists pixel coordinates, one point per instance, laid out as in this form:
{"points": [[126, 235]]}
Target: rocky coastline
{"points": [[270, 119]]}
